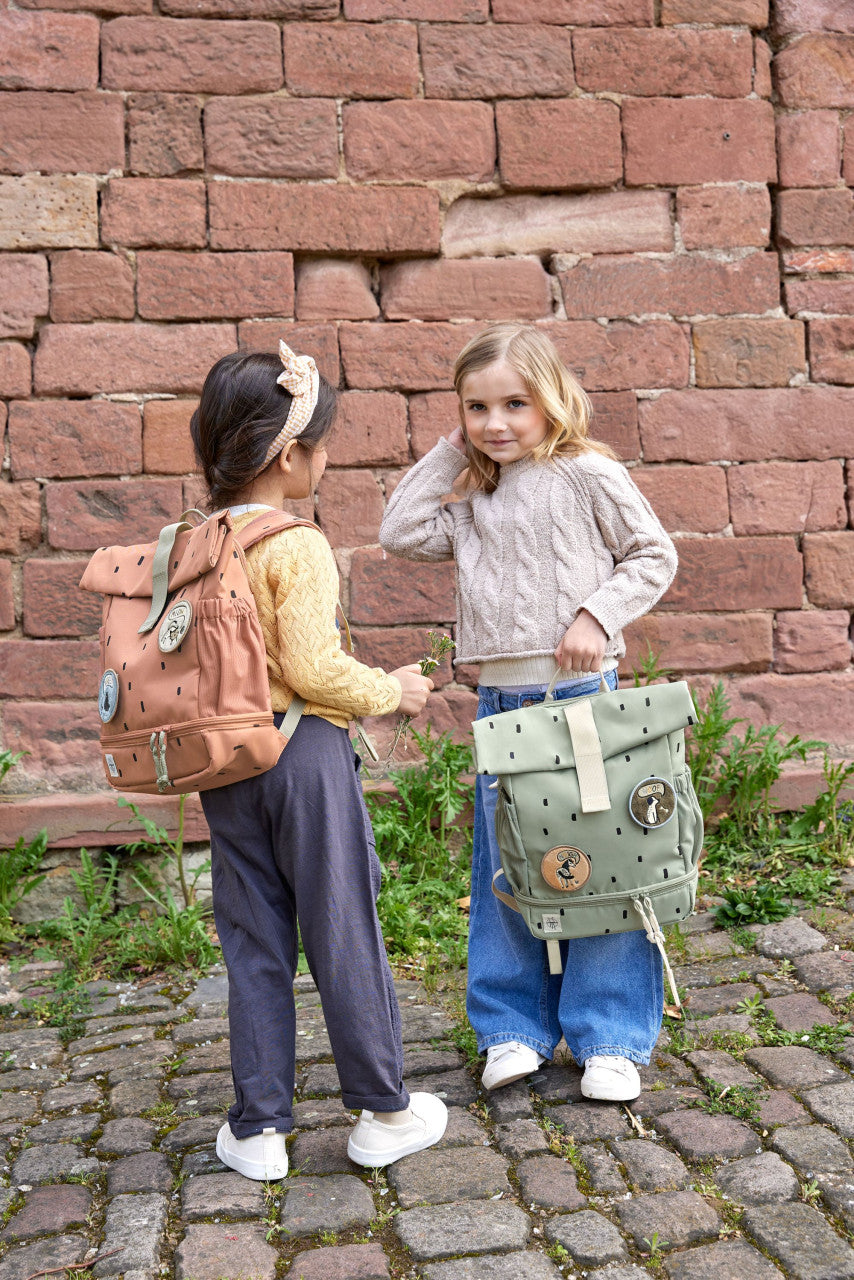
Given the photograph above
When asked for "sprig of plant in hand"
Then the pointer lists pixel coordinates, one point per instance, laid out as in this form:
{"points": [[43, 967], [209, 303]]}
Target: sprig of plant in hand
{"points": [[440, 646]]}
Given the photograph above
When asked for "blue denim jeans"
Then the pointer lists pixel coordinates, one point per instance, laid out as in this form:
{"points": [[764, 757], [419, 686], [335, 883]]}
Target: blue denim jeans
{"points": [[609, 998]]}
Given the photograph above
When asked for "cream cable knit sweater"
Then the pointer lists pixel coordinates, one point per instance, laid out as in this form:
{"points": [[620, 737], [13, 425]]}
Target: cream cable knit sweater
{"points": [[553, 538]]}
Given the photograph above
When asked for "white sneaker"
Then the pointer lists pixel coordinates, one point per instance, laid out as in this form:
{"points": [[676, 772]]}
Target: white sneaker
{"points": [[263, 1157], [375, 1144], [610, 1079], [508, 1062]]}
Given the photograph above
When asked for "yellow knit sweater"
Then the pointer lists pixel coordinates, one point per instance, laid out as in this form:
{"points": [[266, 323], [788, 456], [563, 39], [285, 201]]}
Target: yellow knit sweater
{"points": [[294, 579]]}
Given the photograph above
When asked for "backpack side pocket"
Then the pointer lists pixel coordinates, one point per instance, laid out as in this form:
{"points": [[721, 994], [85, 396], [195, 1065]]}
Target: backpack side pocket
{"points": [[690, 820], [513, 857]]}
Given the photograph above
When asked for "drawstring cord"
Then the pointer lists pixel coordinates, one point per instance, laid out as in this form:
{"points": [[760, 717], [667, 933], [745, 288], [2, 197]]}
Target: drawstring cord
{"points": [[654, 935]]}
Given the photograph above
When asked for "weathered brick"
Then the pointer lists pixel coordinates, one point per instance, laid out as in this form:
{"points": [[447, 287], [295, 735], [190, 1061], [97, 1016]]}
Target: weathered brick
{"points": [[748, 353], [615, 421], [48, 50], [808, 149], [167, 447], [111, 7], [97, 513], [328, 290], [392, 647], [432, 414], [317, 340], [15, 371], [829, 569], [762, 59], [833, 297], [832, 350], [82, 359], [384, 590], [20, 516], [199, 286], [686, 499], [351, 60], [23, 293], [426, 10], [725, 216], [54, 605], [56, 438], [752, 13], [701, 642], [698, 140], [812, 640], [419, 140], [621, 286], [610, 222], [816, 217], [272, 137], [292, 9], [48, 213], [572, 142], [786, 497], [90, 286], [370, 429], [480, 289], [487, 62], [792, 17], [821, 261], [351, 507], [61, 133], [816, 71], [401, 355], [848, 153], [659, 63], [7, 602], [622, 356], [61, 742], [190, 55], [48, 668], [169, 213], [736, 573], [747, 426], [620, 13], [164, 133], [318, 218], [813, 706]]}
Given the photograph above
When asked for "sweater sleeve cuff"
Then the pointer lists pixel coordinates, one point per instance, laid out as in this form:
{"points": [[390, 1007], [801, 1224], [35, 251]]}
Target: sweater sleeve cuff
{"points": [[447, 460]]}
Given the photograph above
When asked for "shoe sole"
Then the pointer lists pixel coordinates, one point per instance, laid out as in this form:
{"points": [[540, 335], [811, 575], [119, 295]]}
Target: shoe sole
{"points": [[614, 1096], [247, 1168]]}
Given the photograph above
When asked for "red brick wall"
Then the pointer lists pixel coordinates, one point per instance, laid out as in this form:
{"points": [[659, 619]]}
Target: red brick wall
{"points": [[661, 185]]}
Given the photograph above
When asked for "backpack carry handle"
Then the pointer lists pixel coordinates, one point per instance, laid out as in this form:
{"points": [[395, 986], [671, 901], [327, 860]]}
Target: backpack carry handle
{"points": [[560, 671], [160, 572]]}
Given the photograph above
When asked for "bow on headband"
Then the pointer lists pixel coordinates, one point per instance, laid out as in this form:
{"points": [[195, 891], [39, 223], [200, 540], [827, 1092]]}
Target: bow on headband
{"points": [[300, 378]]}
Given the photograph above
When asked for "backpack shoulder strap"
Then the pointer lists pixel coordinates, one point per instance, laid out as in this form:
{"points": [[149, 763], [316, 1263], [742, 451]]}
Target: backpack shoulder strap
{"points": [[268, 523]]}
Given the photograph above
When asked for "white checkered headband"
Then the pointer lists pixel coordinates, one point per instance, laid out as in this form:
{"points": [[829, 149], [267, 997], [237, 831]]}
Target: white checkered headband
{"points": [[300, 378]]}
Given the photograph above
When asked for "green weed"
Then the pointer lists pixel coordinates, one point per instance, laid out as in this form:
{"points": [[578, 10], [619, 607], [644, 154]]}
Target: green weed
{"points": [[739, 1100], [756, 904], [823, 1038]]}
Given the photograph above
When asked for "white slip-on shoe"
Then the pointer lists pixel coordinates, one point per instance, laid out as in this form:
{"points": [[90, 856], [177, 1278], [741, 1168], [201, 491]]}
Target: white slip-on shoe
{"points": [[263, 1157], [508, 1062], [375, 1144], [610, 1079]]}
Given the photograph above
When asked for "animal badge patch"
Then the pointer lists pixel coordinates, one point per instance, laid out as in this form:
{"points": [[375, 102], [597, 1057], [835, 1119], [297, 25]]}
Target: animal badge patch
{"points": [[565, 867], [108, 695], [174, 626], [652, 803]]}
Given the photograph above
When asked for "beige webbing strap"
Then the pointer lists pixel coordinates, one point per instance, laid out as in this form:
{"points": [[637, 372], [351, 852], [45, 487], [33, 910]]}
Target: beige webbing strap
{"points": [[587, 750], [292, 717], [160, 573], [553, 948], [506, 898]]}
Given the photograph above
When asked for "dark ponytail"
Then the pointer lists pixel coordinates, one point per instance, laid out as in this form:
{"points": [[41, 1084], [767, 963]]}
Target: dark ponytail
{"points": [[241, 411]]}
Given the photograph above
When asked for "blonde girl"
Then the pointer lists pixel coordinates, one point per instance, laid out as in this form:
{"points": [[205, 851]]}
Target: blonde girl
{"points": [[556, 551]]}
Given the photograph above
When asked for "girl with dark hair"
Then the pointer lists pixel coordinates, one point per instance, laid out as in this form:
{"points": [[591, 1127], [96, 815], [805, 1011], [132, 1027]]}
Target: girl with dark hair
{"points": [[293, 846]]}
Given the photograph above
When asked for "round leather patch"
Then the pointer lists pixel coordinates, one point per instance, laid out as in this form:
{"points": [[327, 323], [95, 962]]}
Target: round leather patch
{"points": [[652, 803], [174, 626], [108, 695], [565, 867]]}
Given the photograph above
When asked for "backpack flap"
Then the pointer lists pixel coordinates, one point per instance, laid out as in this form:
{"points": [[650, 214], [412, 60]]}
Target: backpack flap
{"points": [[127, 571]]}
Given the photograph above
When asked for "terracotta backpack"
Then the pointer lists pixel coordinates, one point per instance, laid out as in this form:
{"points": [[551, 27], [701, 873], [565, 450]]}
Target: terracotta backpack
{"points": [[184, 697]]}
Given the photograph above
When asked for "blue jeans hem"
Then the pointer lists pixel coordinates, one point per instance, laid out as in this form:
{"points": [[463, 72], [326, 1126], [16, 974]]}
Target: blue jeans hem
{"points": [[504, 1037], [612, 1051]]}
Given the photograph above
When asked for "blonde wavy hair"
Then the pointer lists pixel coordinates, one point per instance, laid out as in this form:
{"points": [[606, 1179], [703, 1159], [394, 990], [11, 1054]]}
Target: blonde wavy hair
{"points": [[554, 390]]}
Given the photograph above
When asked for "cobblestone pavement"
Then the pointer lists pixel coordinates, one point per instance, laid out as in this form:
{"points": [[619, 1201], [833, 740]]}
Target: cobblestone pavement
{"points": [[108, 1161]]}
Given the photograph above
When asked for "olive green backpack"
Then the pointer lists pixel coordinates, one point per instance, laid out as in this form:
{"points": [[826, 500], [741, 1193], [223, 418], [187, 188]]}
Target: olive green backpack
{"points": [[597, 821]]}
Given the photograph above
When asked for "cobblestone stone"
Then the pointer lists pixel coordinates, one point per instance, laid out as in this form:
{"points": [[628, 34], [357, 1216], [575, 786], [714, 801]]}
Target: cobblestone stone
{"points": [[588, 1237], [722, 1068], [510, 1266], [192, 1133], [550, 1182], [800, 1012], [558, 1083], [699, 1136], [805, 1244], [834, 1104], [148, 1171], [605, 1177], [212, 1251], [651, 1167], [762, 1179], [43, 1255], [439, 1177], [135, 1225], [788, 938], [679, 1217], [333, 1203], [513, 1102], [813, 1150], [65, 1129], [830, 971], [726, 1260], [346, 1262], [321, 1151], [226, 1195], [520, 1138], [52, 1162], [126, 1137], [587, 1121], [794, 1067], [69, 1095], [49, 1209], [479, 1226]]}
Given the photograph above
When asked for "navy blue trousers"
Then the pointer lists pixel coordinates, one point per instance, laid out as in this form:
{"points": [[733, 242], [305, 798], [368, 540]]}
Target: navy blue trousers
{"points": [[295, 845]]}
